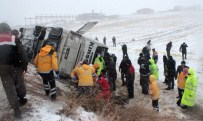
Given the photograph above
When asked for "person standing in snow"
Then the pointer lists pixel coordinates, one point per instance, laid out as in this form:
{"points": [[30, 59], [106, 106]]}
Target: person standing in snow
{"points": [[139, 62], [96, 39], [123, 69], [154, 92], [165, 60], [155, 55], [171, 71], [20, 69], [190, 90], [130, 77], [144, 75], [153, 69], [149, 43], [181, 84], [104, 40], [9, 47], [183, 49], [46, 62], [114, 41], [124, 49], [112, 74], [168, 48]]}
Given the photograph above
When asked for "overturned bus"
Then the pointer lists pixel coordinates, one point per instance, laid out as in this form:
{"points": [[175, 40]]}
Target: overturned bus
{"points": [[72, 47]]}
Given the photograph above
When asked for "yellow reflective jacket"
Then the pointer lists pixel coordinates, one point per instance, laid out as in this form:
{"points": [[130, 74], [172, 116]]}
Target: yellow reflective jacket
{"points": [[85, 75], [189, 95], [100, 61], [46, 60], [153, 88]]}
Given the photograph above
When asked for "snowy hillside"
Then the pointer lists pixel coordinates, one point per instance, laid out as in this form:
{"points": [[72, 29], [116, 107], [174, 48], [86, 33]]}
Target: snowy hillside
{"points": [[160, 28], [134, 31]]}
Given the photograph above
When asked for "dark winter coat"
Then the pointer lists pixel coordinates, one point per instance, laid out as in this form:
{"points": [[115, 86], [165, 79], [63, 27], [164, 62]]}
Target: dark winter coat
{"points": [[112, 70], [20, 56], [140, 60], [114, 58], [123, 67], [12, 52], [165, 64], [171, 66], [124, 48], [145, 50], [144, 68], [168, 46], [183, 48]]}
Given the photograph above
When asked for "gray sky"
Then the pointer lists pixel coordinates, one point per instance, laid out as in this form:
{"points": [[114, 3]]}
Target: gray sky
{"points": [[14, 11]]}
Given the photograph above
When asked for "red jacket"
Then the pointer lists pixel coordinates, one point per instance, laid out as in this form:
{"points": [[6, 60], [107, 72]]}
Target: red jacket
{"points": [[103, 82]]}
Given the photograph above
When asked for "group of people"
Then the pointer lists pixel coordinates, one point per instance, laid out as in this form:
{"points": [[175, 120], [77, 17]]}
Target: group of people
{"points": [[102, 74], [187, 82], [113, 40]]}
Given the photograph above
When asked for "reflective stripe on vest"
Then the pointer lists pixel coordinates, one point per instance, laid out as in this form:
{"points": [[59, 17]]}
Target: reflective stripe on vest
{"points": [[7, 39]]}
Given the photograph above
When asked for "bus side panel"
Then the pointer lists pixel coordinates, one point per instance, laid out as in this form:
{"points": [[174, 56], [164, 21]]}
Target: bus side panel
{"points": [[69, 53]]}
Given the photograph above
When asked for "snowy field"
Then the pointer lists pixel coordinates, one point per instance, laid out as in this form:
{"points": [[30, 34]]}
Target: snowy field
{"points": [[134, 31], [161, 28]]}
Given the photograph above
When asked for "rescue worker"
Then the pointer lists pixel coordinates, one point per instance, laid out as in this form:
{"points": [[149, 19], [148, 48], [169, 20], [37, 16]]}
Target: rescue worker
{"points": [[104, 40], [165, 60], [183, 49], [20, 69], [171, 66], [73, 74], [46, 63], [112, 75], [144, 76], [85, 75], [99, 59], [153, 69], [155, 55], [190, 90], [114, 41], [181, 84], [130, 77], [124, 49], [123, 69], [154, 92], [168, 48], [104, 86], [9, 46]]}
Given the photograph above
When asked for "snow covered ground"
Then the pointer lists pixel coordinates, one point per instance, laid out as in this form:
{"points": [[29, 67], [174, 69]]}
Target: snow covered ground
{"points": [[161, 28]]}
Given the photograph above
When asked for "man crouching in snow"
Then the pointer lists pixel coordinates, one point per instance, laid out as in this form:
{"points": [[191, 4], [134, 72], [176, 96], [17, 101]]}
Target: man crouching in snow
{"points": [[154, 92], [104, 85]]}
